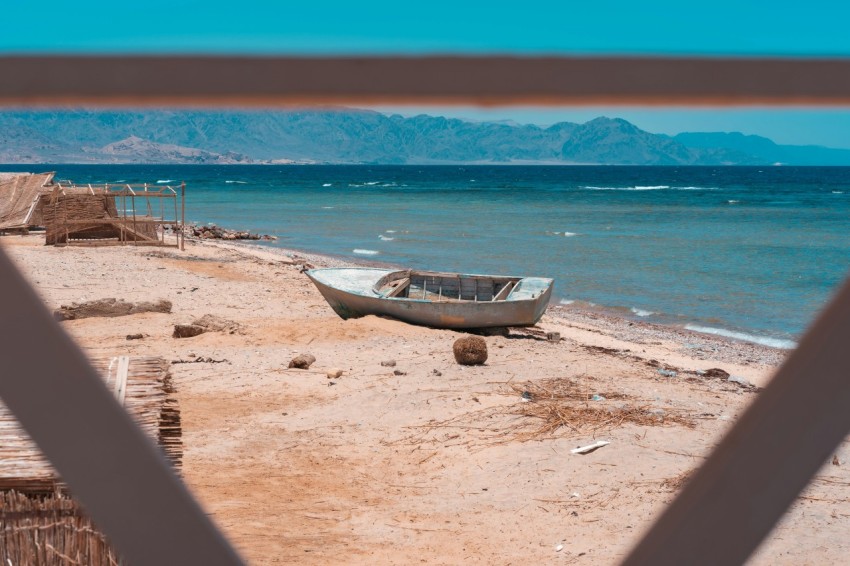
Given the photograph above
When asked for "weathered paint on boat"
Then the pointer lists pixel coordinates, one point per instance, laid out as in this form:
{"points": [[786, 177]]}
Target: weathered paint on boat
{"points": [[351, 292]]}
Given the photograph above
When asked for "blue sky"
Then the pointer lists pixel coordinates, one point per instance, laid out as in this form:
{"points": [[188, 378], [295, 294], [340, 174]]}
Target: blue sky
{"points": [[777, 27], [664, 27]]}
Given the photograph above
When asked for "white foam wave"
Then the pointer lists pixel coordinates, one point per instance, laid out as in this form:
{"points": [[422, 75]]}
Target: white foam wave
{"points": [[163, 181], [385, 238], [359, 251], [237, 182], [763, 340], [327, 207], [566, 301], [637, 188], [838, 192], [372, 183], [390, 231], [733, 201], [641, 312], [649, 188], [327, 184]]}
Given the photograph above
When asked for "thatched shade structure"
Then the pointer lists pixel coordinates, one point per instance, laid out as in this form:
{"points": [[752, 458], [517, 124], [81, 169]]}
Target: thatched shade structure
{"points": [[20, 195]]}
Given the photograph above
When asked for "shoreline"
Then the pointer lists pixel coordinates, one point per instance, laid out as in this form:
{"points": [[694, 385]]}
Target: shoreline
{"points": [[422, 460], [735, 350]]}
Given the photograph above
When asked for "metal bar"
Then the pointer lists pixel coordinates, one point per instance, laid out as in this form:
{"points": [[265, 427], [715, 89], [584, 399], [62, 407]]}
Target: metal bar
{"points": [[118, 473], [765, 461], [486, 80]]}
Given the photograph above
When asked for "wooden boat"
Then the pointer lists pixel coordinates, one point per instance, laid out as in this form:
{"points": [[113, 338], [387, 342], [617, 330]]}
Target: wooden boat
{"points": [[438, 300]]}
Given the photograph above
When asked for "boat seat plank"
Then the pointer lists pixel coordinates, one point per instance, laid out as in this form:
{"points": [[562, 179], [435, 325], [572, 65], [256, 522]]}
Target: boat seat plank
{"points": [[504, 292], [402, 285]]}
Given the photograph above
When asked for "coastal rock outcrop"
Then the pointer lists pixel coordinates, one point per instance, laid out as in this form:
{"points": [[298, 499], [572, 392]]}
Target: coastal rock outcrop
{"points": [[213, 232]]}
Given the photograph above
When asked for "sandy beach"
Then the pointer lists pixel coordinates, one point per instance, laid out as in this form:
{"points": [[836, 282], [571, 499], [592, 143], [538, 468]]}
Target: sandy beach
{"points": [[424, 461]]}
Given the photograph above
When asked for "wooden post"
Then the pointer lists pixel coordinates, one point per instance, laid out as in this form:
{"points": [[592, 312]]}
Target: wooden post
{"points": [[182, 235]]}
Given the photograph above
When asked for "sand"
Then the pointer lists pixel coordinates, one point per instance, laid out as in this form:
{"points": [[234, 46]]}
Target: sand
{"points": [[426, 461]]}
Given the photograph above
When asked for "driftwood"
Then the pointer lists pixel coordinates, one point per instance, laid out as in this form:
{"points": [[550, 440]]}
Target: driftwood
{"points": [[109, 308], [207, 323]]}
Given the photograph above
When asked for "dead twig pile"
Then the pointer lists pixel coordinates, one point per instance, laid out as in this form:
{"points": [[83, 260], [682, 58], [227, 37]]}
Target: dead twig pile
{"points": [[677, 482], [546, 409], [555, 404]]}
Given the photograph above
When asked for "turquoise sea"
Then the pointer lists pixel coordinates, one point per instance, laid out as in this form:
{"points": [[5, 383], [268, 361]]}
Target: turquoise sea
{"points": [[750, 250]]}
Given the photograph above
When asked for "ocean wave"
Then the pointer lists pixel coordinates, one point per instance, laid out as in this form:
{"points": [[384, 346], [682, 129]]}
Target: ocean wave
{"points": [[359, 251], [733, 201], [390, 231], [641, 312], [237, 182], [637, 188], [566, 301], [327, 184], [328, 207], [163, 181], [372, 183], [838, 192], [763, 340], [385, 238], [567, 234], [649, 188]]}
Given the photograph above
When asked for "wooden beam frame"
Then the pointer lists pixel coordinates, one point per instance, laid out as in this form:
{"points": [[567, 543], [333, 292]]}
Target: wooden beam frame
{"points": [[722, 514], [479, 80]]}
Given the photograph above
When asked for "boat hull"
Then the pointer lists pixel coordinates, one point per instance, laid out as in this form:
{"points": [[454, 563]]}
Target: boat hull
{"points": [[436, 314]]}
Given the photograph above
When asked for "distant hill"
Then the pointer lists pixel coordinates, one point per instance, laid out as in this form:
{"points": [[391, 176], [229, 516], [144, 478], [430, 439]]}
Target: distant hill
{"points": [[363, 136], [765, 150]]}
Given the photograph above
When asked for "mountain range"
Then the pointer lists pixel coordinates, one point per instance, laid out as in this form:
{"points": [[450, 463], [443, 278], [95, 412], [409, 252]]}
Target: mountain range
{"points": [[343, 135]]}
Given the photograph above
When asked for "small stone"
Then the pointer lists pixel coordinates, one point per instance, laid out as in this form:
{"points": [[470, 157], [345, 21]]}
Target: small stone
{"points": [[334, 373], [553, 337], [135, 336], [399, 372], [388, 363], [436, 372], [187, 330], [302, 361], [716, 372], [470, 350], [739, 380], [835, 460]]}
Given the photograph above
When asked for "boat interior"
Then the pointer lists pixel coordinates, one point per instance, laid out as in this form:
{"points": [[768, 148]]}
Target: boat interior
{"points": [[445, 287]]}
